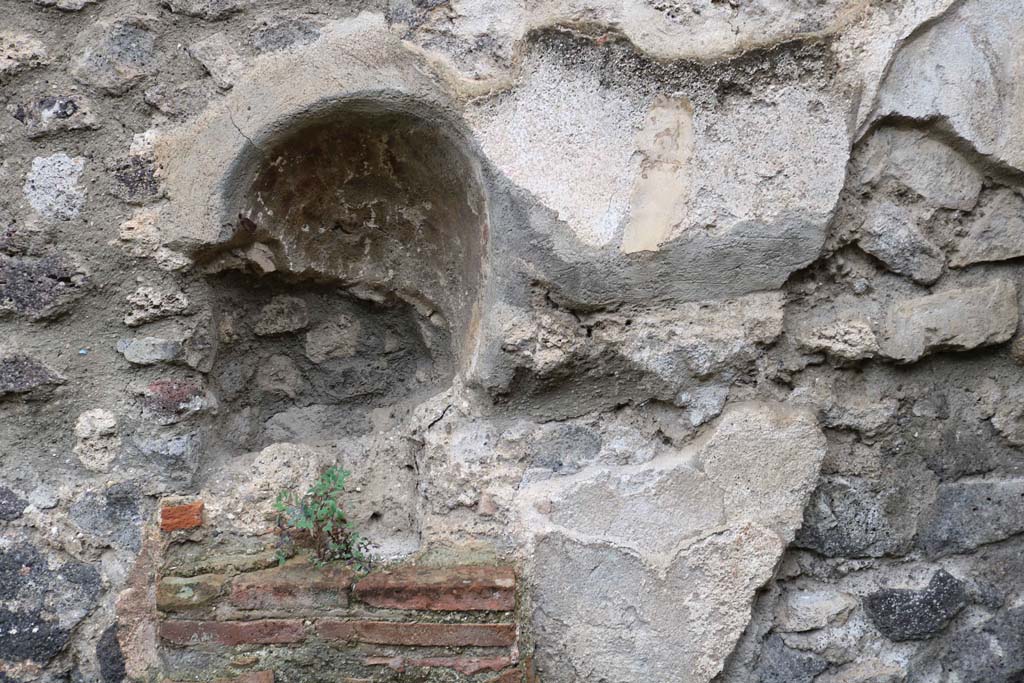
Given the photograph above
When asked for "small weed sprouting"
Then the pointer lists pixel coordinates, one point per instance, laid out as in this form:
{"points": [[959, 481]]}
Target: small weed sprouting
{"points": [[318, 515]]}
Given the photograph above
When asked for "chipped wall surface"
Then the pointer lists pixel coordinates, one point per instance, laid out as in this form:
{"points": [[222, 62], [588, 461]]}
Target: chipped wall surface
{"points": [[688, 328]]}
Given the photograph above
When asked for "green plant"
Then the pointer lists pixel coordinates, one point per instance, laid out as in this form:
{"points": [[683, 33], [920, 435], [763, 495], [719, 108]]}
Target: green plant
{"points": [[318, 515]]}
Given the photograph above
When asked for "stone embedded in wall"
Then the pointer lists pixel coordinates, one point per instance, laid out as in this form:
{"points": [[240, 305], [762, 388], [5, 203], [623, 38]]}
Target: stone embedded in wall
{"points": [[682, 529], [968, 514], [334, 338], [66, 5], [282, 315], [153, 303], [994, 232], [929, 167], [806, 610], [902, 614], [51, 186], [951, 320], [779, 663], [11, 505], [219, 58], [55, 114], [889, 234], [850, 338], [21, 374], [111, 516], [110, 657], [98, 443], [40, 288], [135, 179], [19, 52], [283, 32], [210, 10], [177, 517], [964, 71], [114, 55], [149, 350]]}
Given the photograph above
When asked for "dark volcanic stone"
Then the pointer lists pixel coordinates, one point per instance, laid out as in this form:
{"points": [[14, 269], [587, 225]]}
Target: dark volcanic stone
{"points": [[966, 515], [992, 654], [914, 615], [781, 664], [847, 517], [38, 288], [20, 374], [112, 515], [136, 178], [29, 637], [11, 504], [110, 657]]}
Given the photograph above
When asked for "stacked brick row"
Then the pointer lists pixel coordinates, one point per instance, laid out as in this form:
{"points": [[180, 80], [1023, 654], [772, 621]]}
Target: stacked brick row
{"points": [[245, 618]]}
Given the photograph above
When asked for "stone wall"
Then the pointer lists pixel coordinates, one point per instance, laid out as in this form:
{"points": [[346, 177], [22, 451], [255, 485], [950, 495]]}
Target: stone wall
{"points": [[699, 317]]}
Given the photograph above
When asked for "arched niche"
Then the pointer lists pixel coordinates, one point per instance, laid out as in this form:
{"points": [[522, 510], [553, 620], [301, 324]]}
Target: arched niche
{"points": [[351, 274]]}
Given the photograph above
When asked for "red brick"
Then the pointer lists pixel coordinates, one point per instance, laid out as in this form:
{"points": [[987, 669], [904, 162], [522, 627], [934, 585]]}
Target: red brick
{"points": [[510, 676], [253, 677], [464, 588], [176, 517], [464, 665], [421, 634], [266, 631], [293, 586]]}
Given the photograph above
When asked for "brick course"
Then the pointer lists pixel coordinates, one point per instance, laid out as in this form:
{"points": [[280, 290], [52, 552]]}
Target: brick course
{"points": [[265, 632], [296, 586], [419, 634], [468, 588]]}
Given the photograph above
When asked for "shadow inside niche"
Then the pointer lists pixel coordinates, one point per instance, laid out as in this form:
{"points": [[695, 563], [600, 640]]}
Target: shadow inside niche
{"points": [[303, 362]]}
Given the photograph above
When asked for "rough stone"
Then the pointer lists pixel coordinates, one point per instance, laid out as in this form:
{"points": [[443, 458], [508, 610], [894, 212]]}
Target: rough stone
{"points": [[11, 504], [927, 166], [115, 55], [112, 516], [686, 522], [21, 374], [136, 179], [889, 234], [176, 594], [850, 338], [952, 320], [280, 376], [914, 614], [811, 609], [781, 664], [969, 514], [282, 315], [210, 10], [946, 71], [219, 58], [19, 52], [98, 443], [39, 288], [55, 114], [280, 33], [995, 231], [109, 656], [153, 303], [52, 188], [335, 338], [149, 350]]}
